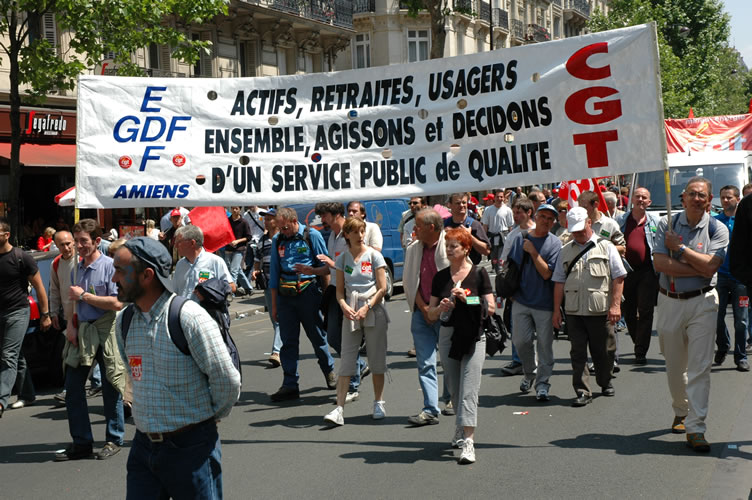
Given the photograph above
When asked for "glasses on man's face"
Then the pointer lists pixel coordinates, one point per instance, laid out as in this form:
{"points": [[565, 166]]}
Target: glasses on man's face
{"points": [[562, 210], [285, 228], [696, 194], [414, 203]]}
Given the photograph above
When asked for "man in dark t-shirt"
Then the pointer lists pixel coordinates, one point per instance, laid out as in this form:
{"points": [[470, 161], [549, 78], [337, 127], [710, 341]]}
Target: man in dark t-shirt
{"points": [[460, 218], [17, 270], [235, 251]]}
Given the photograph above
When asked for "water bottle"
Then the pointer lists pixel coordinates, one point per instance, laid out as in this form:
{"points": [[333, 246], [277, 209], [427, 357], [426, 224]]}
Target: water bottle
{"points": [[445, 315]]}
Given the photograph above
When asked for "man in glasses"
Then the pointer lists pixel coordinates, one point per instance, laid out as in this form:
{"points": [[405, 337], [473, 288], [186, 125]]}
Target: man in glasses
{"points": [[687, 253], [407, 225]]}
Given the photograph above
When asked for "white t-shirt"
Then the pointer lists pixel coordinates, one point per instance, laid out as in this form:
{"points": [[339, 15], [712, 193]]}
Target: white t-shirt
{"points": [[498, 219], [336, 246], [373, 237], [360, 276]]}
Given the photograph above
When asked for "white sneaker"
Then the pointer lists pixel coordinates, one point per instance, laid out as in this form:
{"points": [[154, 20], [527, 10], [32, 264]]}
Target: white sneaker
{"points": [[468, 452], [18, 404], [459, 437], [336, 416], [379, 412], [352, 396]]}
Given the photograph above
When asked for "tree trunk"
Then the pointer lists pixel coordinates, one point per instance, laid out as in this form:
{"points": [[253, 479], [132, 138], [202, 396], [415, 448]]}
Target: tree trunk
{"points": [[14, 187], [438, 33]]}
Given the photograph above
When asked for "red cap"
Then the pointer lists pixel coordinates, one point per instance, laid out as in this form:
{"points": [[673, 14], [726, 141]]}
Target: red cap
{"points": [[602, 188], [474, 200], [175, 212], [489, 196]]}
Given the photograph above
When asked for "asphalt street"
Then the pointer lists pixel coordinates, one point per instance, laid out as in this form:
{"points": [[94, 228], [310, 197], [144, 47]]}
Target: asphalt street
{"points": [[617, 447]]}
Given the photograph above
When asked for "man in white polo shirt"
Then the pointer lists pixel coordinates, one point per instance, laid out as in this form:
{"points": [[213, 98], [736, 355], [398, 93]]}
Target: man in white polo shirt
{"points": [[197, 265]]}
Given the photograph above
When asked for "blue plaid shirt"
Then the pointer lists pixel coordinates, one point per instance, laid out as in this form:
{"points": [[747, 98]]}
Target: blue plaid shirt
{"points": [[172, 390]]}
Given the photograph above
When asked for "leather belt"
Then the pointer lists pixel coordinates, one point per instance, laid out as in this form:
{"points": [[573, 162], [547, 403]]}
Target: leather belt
{"points": [[685, 295], [158, 437]]}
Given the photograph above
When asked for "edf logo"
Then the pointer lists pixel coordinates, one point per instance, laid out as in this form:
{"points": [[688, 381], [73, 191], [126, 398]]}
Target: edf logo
{"points": [[130, 129]]}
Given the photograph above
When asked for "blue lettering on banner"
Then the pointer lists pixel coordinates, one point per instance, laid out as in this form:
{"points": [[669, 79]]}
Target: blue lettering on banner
{"points": [[129, 128], [153, 191]]}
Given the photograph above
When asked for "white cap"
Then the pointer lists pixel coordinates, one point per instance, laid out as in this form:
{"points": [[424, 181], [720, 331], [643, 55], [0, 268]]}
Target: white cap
{"points": [[576, 219]]}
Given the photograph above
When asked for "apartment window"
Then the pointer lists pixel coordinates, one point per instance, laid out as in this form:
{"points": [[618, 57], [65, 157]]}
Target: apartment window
{"points": [[362, 51], [203, 66], [460, 42], [418, 45], [248, 57]]}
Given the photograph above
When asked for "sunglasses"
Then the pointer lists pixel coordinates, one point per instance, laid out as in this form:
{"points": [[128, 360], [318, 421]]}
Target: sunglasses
{"points": [[414, 203]]}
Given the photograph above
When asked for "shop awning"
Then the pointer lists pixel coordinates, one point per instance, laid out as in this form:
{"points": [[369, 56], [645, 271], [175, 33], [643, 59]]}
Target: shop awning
{"points": [[42, 155]]}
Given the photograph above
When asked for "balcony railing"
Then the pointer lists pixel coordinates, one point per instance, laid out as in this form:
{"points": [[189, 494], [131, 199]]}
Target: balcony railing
{"points": [[501, 18], [160, 73], [580, 6], [518, 29], [364, 6], [336, 12], [485, 11], [464, 6], [560, 3], [536, 33]]}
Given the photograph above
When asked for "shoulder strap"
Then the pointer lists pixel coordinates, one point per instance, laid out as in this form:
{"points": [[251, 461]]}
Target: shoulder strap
{"points": [[173, 323], [253, 218], [56, 263], [579, 256]]}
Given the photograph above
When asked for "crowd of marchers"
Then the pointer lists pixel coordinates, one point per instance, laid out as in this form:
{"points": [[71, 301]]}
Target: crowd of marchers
{"points": [[142, 312]]}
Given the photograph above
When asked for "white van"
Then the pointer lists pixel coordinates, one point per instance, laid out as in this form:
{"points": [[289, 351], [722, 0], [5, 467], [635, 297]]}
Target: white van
{"points": [[722, 168]]}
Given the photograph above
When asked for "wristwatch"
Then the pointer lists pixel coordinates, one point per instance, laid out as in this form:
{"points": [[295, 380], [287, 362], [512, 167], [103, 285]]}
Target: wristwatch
{"points": [[682, 248], [369, 306], [81, 297], [45, 315]]}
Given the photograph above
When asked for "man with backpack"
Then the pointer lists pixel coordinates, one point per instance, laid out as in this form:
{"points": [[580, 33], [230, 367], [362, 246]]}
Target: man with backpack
{"points": [[296, 298], [178, 396]]}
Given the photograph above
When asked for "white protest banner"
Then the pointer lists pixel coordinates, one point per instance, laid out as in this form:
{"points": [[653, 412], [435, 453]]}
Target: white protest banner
{"points": [[582, 107]]}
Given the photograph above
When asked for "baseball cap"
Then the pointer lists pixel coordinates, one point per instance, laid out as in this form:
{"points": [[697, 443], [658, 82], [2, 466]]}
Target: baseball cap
{"points": [[268, 211], [155, 255], [489, 196], [576, 219], [546, 206], [175, 212]]}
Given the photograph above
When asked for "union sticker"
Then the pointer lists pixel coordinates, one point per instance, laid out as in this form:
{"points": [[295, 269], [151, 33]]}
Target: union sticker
{"points": [[136, 367]]}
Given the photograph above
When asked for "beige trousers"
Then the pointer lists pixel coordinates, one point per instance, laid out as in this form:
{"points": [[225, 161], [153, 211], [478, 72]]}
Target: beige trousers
{"points": [[686, 332]]}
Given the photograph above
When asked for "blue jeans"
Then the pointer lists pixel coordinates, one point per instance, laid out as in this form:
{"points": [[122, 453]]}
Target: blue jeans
{"points": [[234, 261], [277, 342], [334, 337], [292, 312], [730, 289], [13, 326], [187, 465], [78, 410], [425, 338], [96, 376]]}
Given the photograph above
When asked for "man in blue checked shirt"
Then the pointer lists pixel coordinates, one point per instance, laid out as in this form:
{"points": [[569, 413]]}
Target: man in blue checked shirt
{"points": [[177, 399], [296, 299]]}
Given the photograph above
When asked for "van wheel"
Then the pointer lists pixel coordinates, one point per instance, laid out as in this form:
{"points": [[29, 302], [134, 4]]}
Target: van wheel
{"points": [[389, 283]]}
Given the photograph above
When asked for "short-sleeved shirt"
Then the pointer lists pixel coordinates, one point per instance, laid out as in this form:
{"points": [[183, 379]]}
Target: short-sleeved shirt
{"points": [[96, 278], [287, 252], [616, 266], [498, 219], [337, 245], [696, 238], [536, 292], [516, 232], [478, 283], [725, 268], [16, 267], [373, 236], [240, 229], [476, 229], [188, 276], [360, 276], [608, 228], [638, 252]]}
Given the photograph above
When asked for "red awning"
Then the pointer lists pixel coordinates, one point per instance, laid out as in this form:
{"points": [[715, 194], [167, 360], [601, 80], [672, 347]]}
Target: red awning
{"points": [[42, 155]]}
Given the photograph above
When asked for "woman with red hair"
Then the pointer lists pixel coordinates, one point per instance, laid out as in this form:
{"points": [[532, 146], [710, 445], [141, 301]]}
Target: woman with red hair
{"points": [[463, 290]]}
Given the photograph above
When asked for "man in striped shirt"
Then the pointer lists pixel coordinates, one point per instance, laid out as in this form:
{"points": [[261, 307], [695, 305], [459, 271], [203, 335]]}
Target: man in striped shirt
{"points": [[178, 399]]}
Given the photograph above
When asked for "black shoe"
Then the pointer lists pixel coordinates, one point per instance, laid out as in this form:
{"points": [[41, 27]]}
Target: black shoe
{"points": [[743, 366], [110, 449], [582, 400], [608, 390], [616, 367], [285, 394], [719, 358], [366, 371], [641, 360], [74, 452], [240, 291]]}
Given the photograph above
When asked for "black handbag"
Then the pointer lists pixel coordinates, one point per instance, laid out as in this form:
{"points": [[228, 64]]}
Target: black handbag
{"points": [[509, 277], [496, 334]]}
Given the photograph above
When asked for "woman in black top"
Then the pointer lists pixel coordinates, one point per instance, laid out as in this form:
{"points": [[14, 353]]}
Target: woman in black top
{"points": [[464, 290]]}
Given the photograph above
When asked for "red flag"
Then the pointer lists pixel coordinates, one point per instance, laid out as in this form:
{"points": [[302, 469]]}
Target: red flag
{"points": [[691, 113], [571, 190], [214, 223], [750, 106]]}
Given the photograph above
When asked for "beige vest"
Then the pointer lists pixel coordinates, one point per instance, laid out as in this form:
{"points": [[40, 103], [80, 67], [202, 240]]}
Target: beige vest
{"points": [[587, 291]]}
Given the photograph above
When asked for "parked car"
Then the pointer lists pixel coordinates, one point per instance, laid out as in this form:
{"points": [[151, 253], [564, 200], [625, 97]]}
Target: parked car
{"points": [[387, 214]]}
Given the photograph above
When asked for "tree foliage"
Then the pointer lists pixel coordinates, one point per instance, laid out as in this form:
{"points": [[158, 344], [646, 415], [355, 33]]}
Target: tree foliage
{"points": [[698, 67], [95, 28]]}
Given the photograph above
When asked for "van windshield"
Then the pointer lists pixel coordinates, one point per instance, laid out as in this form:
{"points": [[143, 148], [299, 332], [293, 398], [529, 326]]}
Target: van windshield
{"points": [[719, 176]]}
